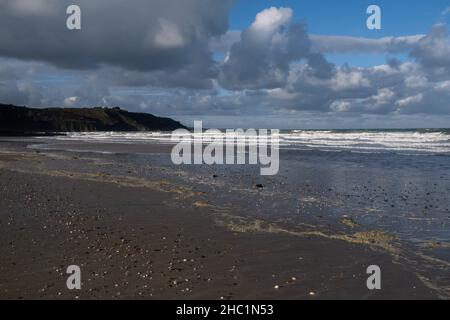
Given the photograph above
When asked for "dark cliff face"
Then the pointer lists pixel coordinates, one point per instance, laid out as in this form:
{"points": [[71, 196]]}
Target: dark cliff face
{"points": [[22, 120]]}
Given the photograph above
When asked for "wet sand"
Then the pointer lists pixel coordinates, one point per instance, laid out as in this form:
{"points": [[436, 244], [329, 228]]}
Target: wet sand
{"points": [[147, 238]]}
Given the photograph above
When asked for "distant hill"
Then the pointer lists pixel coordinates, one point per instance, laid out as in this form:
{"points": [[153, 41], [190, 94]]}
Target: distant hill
{"points": [[23, 121]]}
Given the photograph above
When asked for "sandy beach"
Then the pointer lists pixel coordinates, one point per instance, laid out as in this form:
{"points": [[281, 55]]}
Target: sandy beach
{"points": [[139, 236]]}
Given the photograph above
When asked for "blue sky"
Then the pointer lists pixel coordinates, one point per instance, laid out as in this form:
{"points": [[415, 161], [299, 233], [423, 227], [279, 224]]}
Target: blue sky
{"points": [[348, 18], [400, 17]]}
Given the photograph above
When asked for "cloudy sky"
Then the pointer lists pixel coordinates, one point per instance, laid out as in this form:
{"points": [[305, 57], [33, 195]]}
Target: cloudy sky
{"points": [[234, 63]]}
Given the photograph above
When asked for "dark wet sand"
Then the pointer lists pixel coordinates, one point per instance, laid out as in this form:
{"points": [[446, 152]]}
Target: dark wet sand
{"points": [[135, 241]]}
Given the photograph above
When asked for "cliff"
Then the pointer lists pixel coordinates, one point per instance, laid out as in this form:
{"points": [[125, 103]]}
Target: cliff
{"points": [[22, 120]]}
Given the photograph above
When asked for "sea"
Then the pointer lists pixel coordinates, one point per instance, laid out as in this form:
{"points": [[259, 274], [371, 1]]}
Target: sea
{"points": [[402, 141]]}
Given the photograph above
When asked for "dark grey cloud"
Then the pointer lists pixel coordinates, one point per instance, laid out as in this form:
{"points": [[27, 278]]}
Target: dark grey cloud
{"points": [[11, 93], [223, 43], [158, 35], [433, 50], [190, 77]]}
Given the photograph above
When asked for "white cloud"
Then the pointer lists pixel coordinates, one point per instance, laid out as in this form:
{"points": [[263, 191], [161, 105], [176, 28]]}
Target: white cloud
{"points": [[168, 36], [346, 44], [409, 100], [281, 94], [383, 96], [336, 44], [269, 20], [340, 106], [443, 85], [70, 101], [32, 7], [416, 81], [349, 80]]}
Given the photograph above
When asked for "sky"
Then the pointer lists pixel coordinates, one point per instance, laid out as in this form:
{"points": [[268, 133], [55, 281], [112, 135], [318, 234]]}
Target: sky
{"points": [[234, 63]]}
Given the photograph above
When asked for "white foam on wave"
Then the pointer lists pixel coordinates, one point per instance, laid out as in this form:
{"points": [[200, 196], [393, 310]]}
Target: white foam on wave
{"points": [[360, 141]]}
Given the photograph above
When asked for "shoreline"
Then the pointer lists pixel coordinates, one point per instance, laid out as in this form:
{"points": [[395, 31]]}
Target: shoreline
{"points": [[158, 241]]}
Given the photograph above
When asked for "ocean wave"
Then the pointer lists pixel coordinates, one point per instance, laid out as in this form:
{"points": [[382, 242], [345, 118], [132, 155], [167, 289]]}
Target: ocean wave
{"points": [[417, 141]]}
